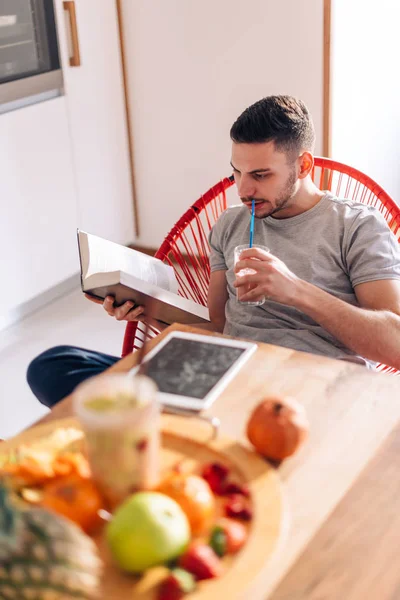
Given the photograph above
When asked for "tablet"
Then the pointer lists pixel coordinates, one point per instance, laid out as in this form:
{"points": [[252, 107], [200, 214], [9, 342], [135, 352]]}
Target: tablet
{"points": [[190, 370]]}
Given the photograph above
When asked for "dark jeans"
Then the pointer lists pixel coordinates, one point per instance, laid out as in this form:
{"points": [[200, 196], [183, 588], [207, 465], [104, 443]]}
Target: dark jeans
{"points": [[55, 373]]}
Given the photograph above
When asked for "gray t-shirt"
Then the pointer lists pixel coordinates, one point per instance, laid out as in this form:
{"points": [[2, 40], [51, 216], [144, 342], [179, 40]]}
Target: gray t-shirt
{"points": [[335, 245]]}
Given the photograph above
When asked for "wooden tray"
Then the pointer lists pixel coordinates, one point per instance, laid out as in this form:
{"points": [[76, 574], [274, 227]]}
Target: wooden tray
{"points": [[186, 439]]}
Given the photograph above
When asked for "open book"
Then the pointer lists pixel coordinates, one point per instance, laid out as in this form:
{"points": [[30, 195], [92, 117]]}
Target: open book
{"points": [[109, 269]]}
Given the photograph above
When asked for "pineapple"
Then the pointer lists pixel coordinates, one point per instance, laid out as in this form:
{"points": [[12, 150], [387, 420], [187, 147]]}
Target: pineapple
{"points": [[44, 556]]}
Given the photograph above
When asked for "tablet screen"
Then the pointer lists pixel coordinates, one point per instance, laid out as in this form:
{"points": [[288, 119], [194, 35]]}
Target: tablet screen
{"points": [[191, 368]]}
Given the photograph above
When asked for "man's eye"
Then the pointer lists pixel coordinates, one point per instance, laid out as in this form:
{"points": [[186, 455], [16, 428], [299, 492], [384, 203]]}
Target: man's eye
{"points": [[260, 176]]}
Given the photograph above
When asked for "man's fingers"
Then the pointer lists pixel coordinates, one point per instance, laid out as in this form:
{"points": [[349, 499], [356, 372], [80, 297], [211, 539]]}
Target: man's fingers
{"points": [[245, 280], [250, 263], [135, 313], [128, 308], [108, 305], [253, 295], [125, 312]]}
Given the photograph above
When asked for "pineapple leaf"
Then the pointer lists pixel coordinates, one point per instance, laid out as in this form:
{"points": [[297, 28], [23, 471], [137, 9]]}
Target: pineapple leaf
{"points": [[10, 524], [7, 514]]}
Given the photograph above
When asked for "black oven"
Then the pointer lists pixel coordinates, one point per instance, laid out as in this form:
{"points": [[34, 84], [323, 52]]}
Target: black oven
{"points": [[29, 55]]}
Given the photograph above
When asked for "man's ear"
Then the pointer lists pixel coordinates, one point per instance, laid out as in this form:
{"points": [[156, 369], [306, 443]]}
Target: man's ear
{"points": [[306, 164]]}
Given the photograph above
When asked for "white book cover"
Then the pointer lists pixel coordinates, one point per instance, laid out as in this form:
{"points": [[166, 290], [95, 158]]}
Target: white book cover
{"points": [[110, 269]]}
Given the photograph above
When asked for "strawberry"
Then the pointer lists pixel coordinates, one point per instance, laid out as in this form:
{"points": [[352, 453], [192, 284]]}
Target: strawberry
{"points": [[178, 583], [201, 561], [238, 507], [236, 488], [215, 474], [228, 536]]}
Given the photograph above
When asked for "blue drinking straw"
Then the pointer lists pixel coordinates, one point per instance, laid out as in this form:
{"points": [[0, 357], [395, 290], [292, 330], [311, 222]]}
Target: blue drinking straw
{"points": [[252, 223]]}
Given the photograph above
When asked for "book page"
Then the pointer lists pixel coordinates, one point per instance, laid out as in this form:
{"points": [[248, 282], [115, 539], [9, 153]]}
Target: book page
{"points": [[105, 256]]}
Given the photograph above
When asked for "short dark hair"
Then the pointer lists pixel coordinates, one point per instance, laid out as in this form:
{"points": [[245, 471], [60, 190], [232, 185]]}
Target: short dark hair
{"points": [[283, 120]]}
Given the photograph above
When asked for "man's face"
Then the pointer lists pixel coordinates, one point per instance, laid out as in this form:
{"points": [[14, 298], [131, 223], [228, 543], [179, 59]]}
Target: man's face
{"points": [[265, 174]]}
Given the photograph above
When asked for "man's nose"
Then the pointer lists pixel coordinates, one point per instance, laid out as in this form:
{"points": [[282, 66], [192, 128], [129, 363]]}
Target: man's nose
{"points": [[246, 188]]}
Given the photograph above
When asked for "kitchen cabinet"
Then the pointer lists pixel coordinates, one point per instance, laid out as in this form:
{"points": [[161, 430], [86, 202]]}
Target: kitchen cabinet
{"points": [[65, 164], [38, 203]]}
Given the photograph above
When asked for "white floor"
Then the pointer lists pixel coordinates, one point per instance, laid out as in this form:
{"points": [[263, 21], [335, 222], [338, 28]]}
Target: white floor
{"points": [[69, 320]]}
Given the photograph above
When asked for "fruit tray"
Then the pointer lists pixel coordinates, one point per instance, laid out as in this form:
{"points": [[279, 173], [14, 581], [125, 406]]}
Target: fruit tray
{"points": [[184, 442]]}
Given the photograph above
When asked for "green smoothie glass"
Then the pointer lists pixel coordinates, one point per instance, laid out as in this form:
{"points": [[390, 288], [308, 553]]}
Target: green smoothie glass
{"points": [[121, 419]]}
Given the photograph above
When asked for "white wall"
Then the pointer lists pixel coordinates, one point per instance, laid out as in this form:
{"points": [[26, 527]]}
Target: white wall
{"points": [[366, 89], [192, 68], [97, 121]]}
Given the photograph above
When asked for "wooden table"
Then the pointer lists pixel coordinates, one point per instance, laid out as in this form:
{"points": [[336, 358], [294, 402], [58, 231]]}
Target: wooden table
{"points": [[342, 488]]}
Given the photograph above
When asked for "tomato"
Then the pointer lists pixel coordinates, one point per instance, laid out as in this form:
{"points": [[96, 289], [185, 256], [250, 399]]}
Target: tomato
{"points": [[194, 496], [76, 498], [228, 536]]}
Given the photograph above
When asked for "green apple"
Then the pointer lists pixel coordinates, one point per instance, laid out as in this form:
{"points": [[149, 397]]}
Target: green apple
{"points": [[148, 529]]}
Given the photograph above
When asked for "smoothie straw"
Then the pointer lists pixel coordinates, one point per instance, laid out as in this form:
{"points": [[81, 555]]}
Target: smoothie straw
{"points": [[252, 223]]}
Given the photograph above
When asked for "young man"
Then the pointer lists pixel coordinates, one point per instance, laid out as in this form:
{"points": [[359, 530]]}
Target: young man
{"points": [[331, 279]]}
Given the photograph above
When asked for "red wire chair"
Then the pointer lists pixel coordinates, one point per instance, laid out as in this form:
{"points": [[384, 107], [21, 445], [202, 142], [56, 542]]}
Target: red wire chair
{"points": [[186, 246], [186, 249]]}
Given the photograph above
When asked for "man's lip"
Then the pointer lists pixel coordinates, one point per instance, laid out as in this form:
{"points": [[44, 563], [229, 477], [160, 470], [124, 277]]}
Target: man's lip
{"points": [[249, 204]]}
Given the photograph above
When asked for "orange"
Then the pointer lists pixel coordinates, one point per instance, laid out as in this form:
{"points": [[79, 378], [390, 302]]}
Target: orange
{"points": [[75, 498], [194, 496]]}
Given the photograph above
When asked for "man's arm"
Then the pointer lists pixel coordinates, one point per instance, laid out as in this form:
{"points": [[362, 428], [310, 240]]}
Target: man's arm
{"points": [[217, 298], [371, 330]]}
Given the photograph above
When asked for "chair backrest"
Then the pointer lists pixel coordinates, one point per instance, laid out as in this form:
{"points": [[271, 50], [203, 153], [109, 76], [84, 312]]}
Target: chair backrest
{"points": [[348, 183], [186, 246], [186, 249]]}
